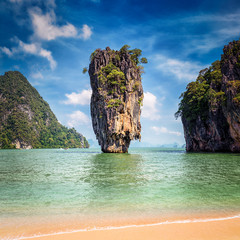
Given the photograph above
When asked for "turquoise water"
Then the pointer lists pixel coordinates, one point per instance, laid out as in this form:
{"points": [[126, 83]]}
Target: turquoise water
{"points": [[145, 182]]}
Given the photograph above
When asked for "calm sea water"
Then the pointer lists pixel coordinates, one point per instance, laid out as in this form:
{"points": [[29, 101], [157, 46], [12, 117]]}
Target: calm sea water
{"points": [[145, 182]]}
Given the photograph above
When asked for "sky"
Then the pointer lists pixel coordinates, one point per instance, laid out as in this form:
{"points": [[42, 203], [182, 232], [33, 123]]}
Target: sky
{"points": [[50, 42]]}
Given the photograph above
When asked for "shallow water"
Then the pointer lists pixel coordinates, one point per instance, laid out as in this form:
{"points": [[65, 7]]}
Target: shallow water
{"points": [[146, 182]]}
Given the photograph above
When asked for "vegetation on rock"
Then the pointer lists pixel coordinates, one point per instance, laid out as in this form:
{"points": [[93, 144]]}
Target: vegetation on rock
{"points": [[85, 70], [27, 120], [112, 77], [202, 95], [135, 54]]}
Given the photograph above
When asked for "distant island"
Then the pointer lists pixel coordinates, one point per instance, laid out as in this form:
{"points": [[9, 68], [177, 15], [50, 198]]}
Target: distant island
{"points": [[210, 107], [26, 120], [117, 97]]}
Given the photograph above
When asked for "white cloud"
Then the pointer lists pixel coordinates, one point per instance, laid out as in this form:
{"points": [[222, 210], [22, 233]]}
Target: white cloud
{"points": [[37, 75], [225, 27], [46, 28], [182, 70], [86, 32], [78, 118], [48, 55], [35, 49], [231, 17], [82, 98], [164, 130], [7, 51], [30, 48], [150, 107], [230, 32]]}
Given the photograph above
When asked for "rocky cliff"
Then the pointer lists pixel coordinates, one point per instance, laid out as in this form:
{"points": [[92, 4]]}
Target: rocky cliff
{"points": [[210, 107], [117, 96], [26, 120]]}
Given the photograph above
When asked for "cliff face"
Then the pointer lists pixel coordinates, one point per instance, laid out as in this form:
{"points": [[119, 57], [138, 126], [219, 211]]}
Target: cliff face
{"points": [[117, 95], [26, 120], [210, 108]]}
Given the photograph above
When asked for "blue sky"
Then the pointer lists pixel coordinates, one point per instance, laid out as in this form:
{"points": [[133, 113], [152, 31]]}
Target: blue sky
{"points": [[50, 42]]}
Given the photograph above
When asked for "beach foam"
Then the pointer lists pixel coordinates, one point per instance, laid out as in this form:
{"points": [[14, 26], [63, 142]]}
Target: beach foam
{"points": [[126, 226]]}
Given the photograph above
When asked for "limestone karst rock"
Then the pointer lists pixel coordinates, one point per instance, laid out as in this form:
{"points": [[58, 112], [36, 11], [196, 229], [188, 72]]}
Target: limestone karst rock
{"points": [[117, 96], [210, 107], [26, 120]]}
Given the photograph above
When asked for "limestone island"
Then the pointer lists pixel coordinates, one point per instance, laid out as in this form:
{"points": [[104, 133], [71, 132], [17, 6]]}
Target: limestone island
{"points": [[210, 107], [117, 97], [26, 120]]}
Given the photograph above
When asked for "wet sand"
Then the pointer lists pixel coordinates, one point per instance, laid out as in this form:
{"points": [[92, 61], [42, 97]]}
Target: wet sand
{"points": [[218, 229]]}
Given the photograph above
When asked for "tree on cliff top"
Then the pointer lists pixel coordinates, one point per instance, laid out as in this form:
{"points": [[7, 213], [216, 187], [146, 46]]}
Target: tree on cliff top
{"points": [[135, 54], [202, 94]]}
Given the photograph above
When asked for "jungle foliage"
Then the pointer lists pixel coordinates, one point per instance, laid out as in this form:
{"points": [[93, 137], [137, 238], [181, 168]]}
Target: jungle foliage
{"points": [[26, 117], [202, 95]]}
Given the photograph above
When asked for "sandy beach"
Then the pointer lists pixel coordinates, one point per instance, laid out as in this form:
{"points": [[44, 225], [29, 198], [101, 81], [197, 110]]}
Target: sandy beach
{"points": [[199, 229]]}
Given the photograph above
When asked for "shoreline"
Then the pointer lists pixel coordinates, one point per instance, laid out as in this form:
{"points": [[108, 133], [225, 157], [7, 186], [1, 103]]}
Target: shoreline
{"points": [[223, 227]]}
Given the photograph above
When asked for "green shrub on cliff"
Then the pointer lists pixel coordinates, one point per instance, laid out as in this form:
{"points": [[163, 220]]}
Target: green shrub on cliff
{"points": [[144, 60], [124, 49], [114, 103], [111, 72], [116, 75], [203, 94], [135, 54], [112, 77], [85, 70], [109, 68]]}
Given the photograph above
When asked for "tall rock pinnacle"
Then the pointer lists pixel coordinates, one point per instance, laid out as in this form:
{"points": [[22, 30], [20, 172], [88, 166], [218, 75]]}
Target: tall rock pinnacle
{"points": [[117, 96]]}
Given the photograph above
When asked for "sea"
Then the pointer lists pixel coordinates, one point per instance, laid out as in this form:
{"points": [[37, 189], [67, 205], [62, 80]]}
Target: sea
{"points": [[53, 191]]}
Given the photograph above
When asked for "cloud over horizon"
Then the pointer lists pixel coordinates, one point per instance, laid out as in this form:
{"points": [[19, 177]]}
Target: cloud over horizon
{"points": [[82, 98], [77, 118], [150, 107], [164, 130]]}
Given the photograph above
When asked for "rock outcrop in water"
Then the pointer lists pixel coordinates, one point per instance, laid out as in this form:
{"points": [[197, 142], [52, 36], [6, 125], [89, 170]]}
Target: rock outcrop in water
{"points": [[117, 96], [26, 120], [210, 107]]}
